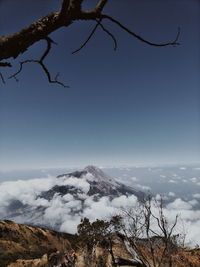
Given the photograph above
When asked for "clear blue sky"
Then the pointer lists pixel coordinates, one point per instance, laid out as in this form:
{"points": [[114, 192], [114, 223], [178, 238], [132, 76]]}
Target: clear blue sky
{"points": [[138, 105]]}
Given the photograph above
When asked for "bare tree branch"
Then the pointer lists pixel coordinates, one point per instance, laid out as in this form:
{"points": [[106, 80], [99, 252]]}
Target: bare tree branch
{"points": [[88, 39], [174, 43], [49, 76], [21, 67], [177, 36], [174, 225], [2, 78], [93, 32], [100, 5], [12, 45], [110, 34], [75, 8], [41, 63], [148, 232], [64, 7]]}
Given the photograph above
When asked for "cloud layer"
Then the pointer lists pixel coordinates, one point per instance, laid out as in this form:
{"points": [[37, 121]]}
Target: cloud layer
{"points": [[23, 202]]}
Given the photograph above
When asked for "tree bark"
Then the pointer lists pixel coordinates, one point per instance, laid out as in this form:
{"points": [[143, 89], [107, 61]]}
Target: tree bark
{"points": [[12, 45]]}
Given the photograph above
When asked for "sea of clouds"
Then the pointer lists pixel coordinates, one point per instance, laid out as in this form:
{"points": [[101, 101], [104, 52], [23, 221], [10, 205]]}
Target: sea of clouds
{"points": [[65, 212]]}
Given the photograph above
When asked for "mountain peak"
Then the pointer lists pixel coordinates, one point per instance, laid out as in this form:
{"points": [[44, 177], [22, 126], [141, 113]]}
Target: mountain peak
{"points": [[74, 193], [91, 167], [99, 175], [93, 170]]}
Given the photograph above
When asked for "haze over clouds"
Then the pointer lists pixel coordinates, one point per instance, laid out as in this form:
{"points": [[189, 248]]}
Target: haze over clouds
{"points": [[64, 212]]}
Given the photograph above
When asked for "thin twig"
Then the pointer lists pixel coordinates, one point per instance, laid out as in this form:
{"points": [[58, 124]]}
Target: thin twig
{"points": [[21, 67], [41, 63], [174, 43], [49, 76], [110, 34], [177, 36], [92, 33], [88, 38], [2, 78]]}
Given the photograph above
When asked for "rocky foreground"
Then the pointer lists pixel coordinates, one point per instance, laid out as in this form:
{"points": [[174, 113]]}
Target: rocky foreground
{"points": [[27, 246]]}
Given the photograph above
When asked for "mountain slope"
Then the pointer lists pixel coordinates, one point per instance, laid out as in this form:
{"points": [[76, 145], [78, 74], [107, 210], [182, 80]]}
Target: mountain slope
{"points": [[101, 183], [26, 242], [26, 246], [59, 203]]}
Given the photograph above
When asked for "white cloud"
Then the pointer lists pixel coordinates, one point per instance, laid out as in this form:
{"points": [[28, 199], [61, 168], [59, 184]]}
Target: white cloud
{"points": [[68, 197], [193, 202], [124, 201], [179, 204], [196, 195], [143, 187], [183, 168], [158, 197], [194, 180], [134, 179], [25, 191], [69, 225], [162, 176], [64, 212], [171, 194], [78, 183], [172, 181]]}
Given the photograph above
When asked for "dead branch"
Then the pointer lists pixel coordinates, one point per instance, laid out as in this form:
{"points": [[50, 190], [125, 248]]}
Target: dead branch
{"points": [[88, 38], [41, 63], [145, 228], [110, 34], [2, 78], [173, 43], [93, 32], [12, 45], [100, 5], [64, 7]]}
